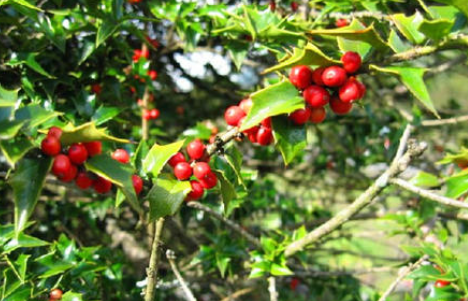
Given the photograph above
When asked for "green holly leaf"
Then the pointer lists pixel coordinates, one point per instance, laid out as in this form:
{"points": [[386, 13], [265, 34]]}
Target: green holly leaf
{"points": [[105, 29], [277, 99], [280, 270], [85, 133], [408, 26], [71, 296], [228, 192], [8, 97], [395, 42], [158, 156], [27, 182], [15, 149], [23, 241], [456, 186], [462, 5], [34, 115], [29, 59], [166, 196], [358, 46], [436, 29], [9, 129], [234, 159], [290, 139], [424, 179]]}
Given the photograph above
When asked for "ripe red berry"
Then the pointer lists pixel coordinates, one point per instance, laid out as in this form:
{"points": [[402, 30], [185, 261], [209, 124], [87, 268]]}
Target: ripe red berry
{"points": [[137, 184], [351, 61], [102, 185], [55, 132], [154, 113], [146, 114], [152, 74], [201, 169], [301, 76], [153, 42], [145, 53], [340, 107], [253, 129], [61, 165], [51, 146], [246, 105], [178, 157], [362, 89], [56, 294], [70, 174], [264, 136], [334, 76], [294, 283], [197, 191], [183, 171], [300, 116], [341, 23], [96, 88], [136, 55], [121, 155], [317, 115], [350, 91], [317, 76], [209, 181], [233, 115], [316, 96], [272, 6], [253, 136], [77, 153], [94, 148], [266, 122], [195, 149], [441, 283], [294, 6], [83, 181]]}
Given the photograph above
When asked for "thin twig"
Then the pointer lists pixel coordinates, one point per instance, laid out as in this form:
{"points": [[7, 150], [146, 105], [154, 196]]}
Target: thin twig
{"points": [[221, 140], [438, 122], [272, 288], [318, 273], [238, 294], [249, 237], [170, 255], [400, 277], [428, 194], [152, 270]]}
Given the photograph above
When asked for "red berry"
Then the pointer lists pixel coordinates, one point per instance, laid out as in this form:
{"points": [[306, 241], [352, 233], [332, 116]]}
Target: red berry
{"points": [[77, 153], [351, 61], [183, 171], [153, 42], [177, 158], [264, 136], [272, 6], [362, 89], [316, 96], [350, 91], [61, 165], [317, 115], [102, 185], [253, 136], [146, 114], [266, 122], [209, 181], [56, 294], [340, 107], [301, 76], [334, 76], [137, 184], [70, 174], [96, 88], [154, 113], [195, 149], [145, 53], [83, 180], [201, 169], [341, 23], [51, 146], [121, 155], [197, 191], [94, 148], [441, 283], [300, 116], [152, 74], [246, 105], [294, 283], [233, 115], [294, 6], [317, 76], [55, 132], [136, 55]]}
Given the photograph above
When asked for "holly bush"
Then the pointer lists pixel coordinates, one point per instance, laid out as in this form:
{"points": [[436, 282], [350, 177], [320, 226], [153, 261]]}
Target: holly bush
{"points": [[233, 150]]}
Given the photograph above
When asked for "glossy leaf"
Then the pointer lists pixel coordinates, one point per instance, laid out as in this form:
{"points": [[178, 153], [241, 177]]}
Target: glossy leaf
{"points": [[234, 159], [228, 192], [29, 59], [408, 26], [424, 179], [280, 98], [396, 43], [436, 29], [71, 296], [166, 196], [347, 44], [158, 156], [9, 129], [15, 149], [457, 186], [34, 115], [104, 114], [27, 182], [105, 30], [85, 133], [290, 139], [8, 97], [462, 5], [23, 241], [280, 270]]}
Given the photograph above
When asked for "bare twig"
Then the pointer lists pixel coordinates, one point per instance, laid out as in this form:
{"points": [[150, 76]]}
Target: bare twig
{"points": [[249, 237], [238, 294], [272, 288], [188, 293], [438, 122], [318, 273], [400, 277], [152, 270], [428, 194], [221, 140]]}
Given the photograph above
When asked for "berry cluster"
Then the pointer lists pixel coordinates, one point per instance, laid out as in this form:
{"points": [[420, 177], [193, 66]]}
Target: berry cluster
{"points": [[334, 85], [235, 115], [198, 167], [55, 294], [294, 6], [68, 167], [341, 23]]}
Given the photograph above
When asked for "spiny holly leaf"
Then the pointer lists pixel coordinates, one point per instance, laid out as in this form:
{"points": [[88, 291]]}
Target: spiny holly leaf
{"points": [[118, 173], [290, 139], [228, 192], [166, 196], [457, 186], [462, 5], [310, 55], [106, 29], [8, 97], [23, 241], [408, 26], [85, 133], [412, 78], [424, 179], [159, 155], [234, 159], [353, 32], [9, 129], [15, 149], [280, 98], [460, 158], [360, 47], [27, 182], [34, 115], [29, 59], [71, 296], [436, 29], [395, 42]]}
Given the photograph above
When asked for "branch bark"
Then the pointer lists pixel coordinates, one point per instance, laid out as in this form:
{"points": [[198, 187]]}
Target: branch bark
{"points": [[188, 293], [152, 270], [272, 288]]}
